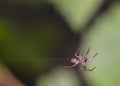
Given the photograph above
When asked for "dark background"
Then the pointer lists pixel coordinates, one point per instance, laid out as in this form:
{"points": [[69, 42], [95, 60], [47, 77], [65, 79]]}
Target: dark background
{"points": [[36, 37]]}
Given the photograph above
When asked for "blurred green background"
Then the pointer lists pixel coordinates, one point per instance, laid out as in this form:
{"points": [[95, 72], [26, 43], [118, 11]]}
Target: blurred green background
{"points": [[39, 37]]}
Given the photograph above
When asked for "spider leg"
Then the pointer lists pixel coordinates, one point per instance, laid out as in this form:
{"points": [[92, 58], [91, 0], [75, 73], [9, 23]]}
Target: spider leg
{"points": [[91, 58], [87, 51], [71, 66], [85, 69], [90, 69], [77, 53], [95, 55]]}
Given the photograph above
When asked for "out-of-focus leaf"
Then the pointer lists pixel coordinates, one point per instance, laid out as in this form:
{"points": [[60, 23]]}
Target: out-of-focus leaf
{"points": [[4, 32], [1, 70], [29, 2], [77, 12], [30, 51], [58, 77], [104, 38]]}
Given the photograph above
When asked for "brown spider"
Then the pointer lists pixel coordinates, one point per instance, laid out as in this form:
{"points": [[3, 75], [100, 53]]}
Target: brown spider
{"points": [[82, 59]]}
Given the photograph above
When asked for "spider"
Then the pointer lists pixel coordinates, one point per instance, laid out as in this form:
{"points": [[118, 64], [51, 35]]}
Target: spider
{"points": [[82, 60]]}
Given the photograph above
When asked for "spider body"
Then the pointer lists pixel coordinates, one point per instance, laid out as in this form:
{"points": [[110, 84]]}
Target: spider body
{"points": [[82, 60]]}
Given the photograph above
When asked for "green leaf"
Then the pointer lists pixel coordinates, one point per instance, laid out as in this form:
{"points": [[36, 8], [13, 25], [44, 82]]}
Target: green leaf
{"points": [[77, 12], [104, 38]]}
